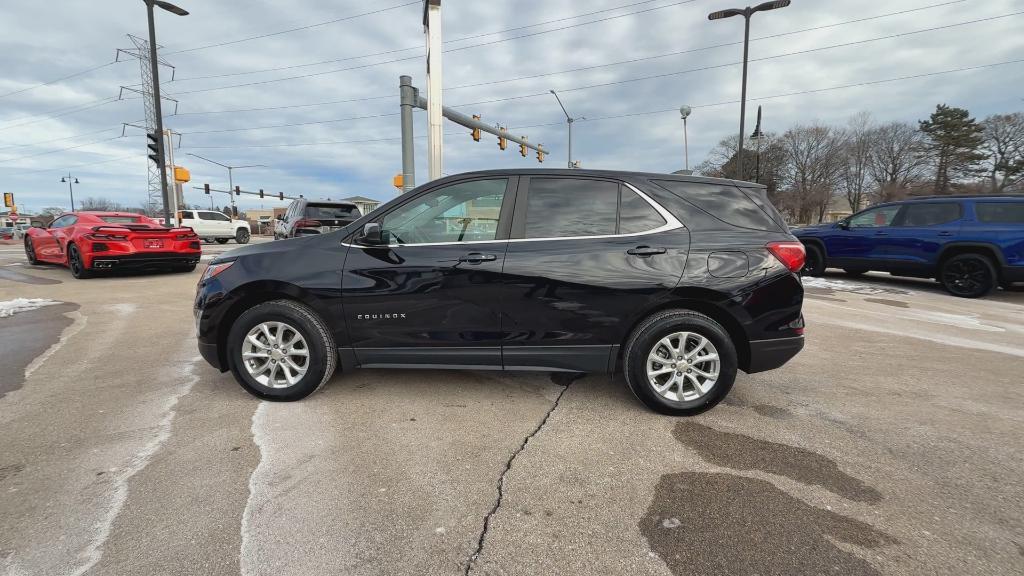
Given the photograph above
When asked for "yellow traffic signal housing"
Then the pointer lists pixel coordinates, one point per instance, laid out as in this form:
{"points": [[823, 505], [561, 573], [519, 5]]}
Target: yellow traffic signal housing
{"points": [[476, 131], [540, 154], [502, 141], [522, 148], [181, 174], [398, 181], [8, 199]]}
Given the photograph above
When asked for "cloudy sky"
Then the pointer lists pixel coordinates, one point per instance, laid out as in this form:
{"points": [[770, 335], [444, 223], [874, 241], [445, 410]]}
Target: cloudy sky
{"points": [[625, 65]]}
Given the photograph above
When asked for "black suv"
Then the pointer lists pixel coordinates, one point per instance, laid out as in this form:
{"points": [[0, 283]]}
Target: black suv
{"points": [[307, 217], [677, 281]]}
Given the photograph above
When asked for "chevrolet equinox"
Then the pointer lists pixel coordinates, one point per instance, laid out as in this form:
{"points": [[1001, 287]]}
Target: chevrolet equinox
{"points": [[675, 281]]}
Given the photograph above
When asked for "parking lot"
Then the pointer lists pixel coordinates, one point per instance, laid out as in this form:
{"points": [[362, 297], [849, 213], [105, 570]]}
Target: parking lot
{"points": [[891, 445]]}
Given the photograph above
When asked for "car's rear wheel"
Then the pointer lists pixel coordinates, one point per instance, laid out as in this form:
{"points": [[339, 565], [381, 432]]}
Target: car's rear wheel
{"points": [[680, 362], [281, 350], [30, 251], [814, 261], [968, 275], [242, 236], [76, 264], [222, 240]]}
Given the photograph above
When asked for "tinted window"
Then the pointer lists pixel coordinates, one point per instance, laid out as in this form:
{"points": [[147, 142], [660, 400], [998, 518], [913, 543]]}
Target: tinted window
{"points": [[875, 217], [727, 203], [64, 221], [636, 214], [213, 216], [1000, 212], [120, 219], [562, 207], [331, 212], [930, 214], [186, 215], [468, 211], [760, 197]]}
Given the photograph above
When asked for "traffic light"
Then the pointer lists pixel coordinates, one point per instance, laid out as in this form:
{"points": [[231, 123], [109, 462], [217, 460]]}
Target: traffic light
{"points": [[540, 155], [154, 147], [398, 181], [206, 189], [522, 147], [502, 141], [238, 192], [9, 199], [261, 192], [280, 195], [476, 131]]}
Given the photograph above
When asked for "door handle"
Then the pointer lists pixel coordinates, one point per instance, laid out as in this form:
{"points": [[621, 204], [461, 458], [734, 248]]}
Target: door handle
{"points": [[645, 251], [945, 233], [476, 258], [881, 233]]}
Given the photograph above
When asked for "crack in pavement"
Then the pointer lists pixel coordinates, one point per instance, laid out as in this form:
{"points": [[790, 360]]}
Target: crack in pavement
{"points": [[471, 561]]}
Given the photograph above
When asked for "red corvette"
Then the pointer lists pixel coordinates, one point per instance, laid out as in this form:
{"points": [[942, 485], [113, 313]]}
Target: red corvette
{"points": [[89, 241]]}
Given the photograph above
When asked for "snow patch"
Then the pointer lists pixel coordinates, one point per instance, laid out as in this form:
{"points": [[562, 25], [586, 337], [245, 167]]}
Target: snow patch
{"points": [[12, 307], [122, 309], [76, 327], [246, 555], [852, 287]]}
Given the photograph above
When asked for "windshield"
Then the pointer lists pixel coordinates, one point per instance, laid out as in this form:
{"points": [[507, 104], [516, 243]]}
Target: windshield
{"points": [[331, 212]]}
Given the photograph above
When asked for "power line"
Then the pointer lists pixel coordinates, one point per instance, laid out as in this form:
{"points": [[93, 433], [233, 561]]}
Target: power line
{"points": [[61, 79], [286, 106], [246, 128], [298, 144], [61, 169], [61, 112], [296, 29], [361, 66], [38, 142], [5, 160]]}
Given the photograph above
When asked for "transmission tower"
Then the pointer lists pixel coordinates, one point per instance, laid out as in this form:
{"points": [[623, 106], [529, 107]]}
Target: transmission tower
{"points": [[140, 51]]}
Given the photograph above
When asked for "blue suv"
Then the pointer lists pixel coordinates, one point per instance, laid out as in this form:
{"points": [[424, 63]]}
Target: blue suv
{"points": [[970, 244]]}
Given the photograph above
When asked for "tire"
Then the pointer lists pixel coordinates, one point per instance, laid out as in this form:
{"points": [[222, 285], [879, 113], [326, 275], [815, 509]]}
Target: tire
{"points": [[76, 265], [223, 240], [291, 318], [968, 276], [30, 251], [855, 271], [185, 268], [676, 399], [242, 236], [814, 262]]}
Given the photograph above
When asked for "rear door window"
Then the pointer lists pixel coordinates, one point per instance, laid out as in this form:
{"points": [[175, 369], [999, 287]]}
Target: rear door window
{"points": [[930, 214], [331, 212], [726, 203], [636, 214], [568, 207], [1000, 212]]}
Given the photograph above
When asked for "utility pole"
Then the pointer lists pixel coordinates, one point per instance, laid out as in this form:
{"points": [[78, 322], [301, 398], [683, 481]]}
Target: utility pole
{"points": [[408, 94], [757, 135], [746, 13], [435, 134], [569, 120], [685, 111]]}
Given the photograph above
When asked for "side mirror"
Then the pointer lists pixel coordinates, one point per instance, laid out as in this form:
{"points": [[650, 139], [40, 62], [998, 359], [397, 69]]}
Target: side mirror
{"points": [[844, 224], [373, 235]]}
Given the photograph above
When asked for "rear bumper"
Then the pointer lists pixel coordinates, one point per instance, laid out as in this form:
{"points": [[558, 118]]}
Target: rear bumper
{"points": [[771, 354], [142, 261]]}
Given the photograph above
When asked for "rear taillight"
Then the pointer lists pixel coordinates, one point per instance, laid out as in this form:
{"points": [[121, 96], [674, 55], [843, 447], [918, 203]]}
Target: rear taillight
{"points": [[307, 224], [790, 253]]}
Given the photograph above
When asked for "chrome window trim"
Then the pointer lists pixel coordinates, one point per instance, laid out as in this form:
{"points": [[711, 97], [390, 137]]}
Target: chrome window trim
{"points": [[671, 223]]}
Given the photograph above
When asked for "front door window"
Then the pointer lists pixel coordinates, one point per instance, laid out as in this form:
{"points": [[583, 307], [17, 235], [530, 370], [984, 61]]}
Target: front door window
{"points": [[464, 212]]}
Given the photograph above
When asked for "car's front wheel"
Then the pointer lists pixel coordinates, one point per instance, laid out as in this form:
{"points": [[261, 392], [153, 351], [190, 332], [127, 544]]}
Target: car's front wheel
{"points": [[968, 275], [242, 236], [814, 261], [680, 362], [281, 350]]}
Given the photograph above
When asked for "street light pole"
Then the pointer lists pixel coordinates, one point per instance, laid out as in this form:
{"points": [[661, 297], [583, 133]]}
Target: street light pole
{"points": [[746, 13], [231, 180], [155, 67], [685, 111], [71, 190], [569, 120]]}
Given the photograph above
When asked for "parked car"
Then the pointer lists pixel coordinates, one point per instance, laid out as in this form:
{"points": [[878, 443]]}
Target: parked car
{"points": [[677, 281], [87, 242], [211, 226], [7, 233], [970, 244], [306, 217]]}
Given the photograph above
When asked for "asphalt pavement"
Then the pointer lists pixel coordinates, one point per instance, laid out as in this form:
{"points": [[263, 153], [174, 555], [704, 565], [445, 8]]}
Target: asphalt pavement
{"points": [[891, 445]]}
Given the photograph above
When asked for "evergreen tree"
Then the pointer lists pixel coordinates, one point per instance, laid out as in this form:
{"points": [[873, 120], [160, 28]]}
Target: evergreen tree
{"points": [[953, 142]]}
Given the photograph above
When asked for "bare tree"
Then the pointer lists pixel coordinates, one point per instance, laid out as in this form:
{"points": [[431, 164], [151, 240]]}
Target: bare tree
{"points": [[814, 163], [100, 205], [763, 162], [1004, 143], [897, 160], [856, 168]]}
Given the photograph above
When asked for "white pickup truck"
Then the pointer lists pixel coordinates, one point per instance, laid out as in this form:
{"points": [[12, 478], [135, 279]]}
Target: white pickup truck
{"points": [[212, 225]]}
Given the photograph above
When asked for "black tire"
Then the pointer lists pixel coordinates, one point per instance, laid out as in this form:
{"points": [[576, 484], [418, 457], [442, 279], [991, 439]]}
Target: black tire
{"points": [[242, 236], [855, 271], [30, 251], [968, 276], [322, 355], [814, 262], [223, 240], [644, 341], [76, 265]]}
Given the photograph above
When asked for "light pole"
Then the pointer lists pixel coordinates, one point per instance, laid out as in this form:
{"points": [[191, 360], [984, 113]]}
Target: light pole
{"points": [[569, 119], [746, 13], [684, 111], [231, 181], [155, 66], [71, 190]]}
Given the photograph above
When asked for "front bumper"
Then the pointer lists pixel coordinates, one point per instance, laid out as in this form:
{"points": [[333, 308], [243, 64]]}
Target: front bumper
{"points": [[771, 354]]}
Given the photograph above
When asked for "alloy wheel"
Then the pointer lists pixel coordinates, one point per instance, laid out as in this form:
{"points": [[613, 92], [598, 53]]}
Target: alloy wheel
{"points": [[275, 354], [74, 261], [965, 276], [683, 366]]}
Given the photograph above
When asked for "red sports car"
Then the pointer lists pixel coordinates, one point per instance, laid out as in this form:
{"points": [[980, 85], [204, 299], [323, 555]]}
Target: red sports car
{"points": [[89, 241]]}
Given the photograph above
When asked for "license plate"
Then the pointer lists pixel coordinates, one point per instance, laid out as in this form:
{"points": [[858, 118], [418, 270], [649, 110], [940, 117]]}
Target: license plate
{"points": [[154, 243]]}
